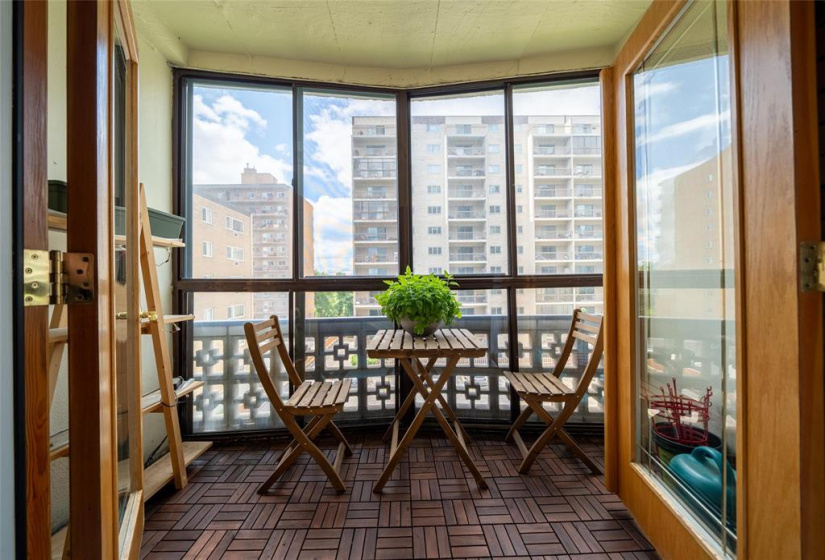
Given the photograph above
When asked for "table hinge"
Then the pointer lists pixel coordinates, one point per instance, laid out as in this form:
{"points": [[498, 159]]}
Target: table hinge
{"points": [[55, 277]]}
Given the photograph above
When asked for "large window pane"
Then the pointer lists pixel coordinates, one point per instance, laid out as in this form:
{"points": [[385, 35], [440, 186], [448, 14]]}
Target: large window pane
{"points": [[241, 219], [459, 184], [232, 398], [686, 354], [350, 181], [558, 177]]}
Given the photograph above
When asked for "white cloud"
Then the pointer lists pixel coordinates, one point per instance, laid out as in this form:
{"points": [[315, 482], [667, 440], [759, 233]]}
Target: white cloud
{"points": [[704, 123], [331, 132], [333, 234], [221, 147]]}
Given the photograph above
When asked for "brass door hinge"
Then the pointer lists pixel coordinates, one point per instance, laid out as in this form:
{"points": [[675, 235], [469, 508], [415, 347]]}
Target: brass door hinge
{"points": [[55, 277], [812, 267]]}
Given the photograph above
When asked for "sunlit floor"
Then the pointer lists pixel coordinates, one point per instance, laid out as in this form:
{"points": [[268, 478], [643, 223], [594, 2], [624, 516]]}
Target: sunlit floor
{"points": [[430, 508]]}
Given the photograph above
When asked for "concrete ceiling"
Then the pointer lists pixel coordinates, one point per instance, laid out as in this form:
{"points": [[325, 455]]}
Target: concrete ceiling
{"points": [[391, 34]]}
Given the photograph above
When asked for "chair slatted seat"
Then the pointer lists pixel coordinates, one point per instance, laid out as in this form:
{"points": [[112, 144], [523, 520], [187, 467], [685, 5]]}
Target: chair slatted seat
{"points": [[535, 389], [320, 399]]}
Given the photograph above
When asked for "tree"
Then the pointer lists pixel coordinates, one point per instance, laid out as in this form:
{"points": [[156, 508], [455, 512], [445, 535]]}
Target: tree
{"points": [[334, 304]]}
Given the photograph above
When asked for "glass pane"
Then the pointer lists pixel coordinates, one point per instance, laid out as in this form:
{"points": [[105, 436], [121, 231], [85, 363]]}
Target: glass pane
{"points": [[124, 298], [477, 389], [544, 317], [459, 184], [558, 177], [333, 340], [350, 184], [232, 397], [686, 355], [241, 217]]}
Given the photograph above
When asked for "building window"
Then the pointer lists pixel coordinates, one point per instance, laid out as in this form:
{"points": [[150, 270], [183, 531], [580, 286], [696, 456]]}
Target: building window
{"points": [[206, 248], [434, 230], [234, 225], [463, 129], [433, 189], [206, 215], [519, 189], [208, 314], [433, 169], [493, 149], [433, 148], [520, 249], [236, 311], [495, 249], [433, 128], [519, 168], [495, 270], [234, 254], [493, 127], [495, 189], [434, 250], [435, 270], [495, 209], [495, 311], [519, 209], [495, 292], [433, 209], [493, 169], [495, 230], [517, 148]]}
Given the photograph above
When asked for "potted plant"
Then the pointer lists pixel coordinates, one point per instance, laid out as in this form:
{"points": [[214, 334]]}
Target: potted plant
{"points": [[421, 304]]}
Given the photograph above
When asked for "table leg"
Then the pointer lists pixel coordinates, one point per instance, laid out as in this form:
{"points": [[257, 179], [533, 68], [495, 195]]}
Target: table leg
{"points": [[459, 445], [425, 373], [407, 402], [429, 403]]}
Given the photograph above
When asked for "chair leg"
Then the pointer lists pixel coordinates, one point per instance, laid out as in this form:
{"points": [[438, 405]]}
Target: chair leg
{"points": [[340, 437], [525, 414], [293, 450], [320, 458], [570, 443], [546, 436]]}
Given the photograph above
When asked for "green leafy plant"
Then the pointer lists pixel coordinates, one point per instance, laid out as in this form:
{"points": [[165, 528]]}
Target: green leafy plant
{"points": [[425, 299]]}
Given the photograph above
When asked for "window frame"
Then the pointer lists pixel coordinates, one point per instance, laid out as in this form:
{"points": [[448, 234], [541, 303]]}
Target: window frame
{"points": [[509, 280]]}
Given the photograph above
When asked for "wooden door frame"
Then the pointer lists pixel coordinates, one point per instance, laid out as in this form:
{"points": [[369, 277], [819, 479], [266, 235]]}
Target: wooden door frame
{"points": [[780, 441], [31, 324], [93, 459]]}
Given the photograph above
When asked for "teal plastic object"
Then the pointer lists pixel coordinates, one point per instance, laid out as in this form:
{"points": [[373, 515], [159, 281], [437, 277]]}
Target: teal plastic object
{"points": [[701, 471]]}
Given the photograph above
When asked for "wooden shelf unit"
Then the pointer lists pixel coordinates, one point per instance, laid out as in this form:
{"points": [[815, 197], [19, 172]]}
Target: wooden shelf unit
{"points": [[159, 474]]}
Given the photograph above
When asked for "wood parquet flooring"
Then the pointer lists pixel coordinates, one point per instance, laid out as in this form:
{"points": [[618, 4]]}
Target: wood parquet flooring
{"points": [[430, 508]]}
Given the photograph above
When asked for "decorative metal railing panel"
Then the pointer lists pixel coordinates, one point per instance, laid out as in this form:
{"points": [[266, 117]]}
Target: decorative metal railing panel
{"points": [[233, 399]]}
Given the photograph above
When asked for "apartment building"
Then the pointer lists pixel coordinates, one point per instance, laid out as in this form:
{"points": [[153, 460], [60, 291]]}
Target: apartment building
{"points": [[266, 205], [459, 204]]}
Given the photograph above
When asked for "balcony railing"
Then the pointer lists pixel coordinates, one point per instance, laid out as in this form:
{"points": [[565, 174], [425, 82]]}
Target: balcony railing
{"points": [[467, 173], [233, 399], [557, 297], [369, 258], [458, 151], [467, 236], [374, 173], [561, 171], [467, 214], [553, 214], [588, 256], [467, 193], [580, 150], [472, 298], [552, 256], [374, 153], [374, 195], [596, 213], [554, 234], [468, 257], [551, 151], [553, 193], [375, 215], [596, 234], [593, 193], [376, 237]]}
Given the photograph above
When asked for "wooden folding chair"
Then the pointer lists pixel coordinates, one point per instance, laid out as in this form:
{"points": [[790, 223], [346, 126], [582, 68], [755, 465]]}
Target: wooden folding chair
{"points": [[538, 388], [321, 400]]}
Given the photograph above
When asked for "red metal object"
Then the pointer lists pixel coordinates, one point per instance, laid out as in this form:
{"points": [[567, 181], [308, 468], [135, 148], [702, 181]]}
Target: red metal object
{"points": [[672, 408]]}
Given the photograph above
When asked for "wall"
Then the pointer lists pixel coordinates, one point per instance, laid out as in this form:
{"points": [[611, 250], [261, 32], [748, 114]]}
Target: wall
{"points": [[155, 171], [6, 388]]}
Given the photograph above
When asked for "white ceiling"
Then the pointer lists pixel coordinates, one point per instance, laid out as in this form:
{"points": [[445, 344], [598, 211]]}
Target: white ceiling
{"points": [[391, 34]]}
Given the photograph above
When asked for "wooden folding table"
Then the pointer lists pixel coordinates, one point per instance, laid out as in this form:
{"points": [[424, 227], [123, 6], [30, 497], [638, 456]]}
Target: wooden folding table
{"points": [[409, 350]]}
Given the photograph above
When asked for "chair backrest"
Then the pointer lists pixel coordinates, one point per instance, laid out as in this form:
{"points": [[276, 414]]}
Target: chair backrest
{"points": [[587, 328], [262, 338]]}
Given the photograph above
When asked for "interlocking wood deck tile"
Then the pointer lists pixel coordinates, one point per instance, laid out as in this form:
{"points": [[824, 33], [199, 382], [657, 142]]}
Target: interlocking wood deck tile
{"points": [[430, 508]]}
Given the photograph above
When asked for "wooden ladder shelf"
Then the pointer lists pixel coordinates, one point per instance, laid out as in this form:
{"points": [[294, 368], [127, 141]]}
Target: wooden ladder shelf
{"points": [[164, 400]]}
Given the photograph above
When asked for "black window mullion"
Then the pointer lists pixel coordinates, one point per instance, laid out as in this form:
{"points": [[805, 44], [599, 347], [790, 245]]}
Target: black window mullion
{"points": [[512, 244], [404, 143], [297, 183]]}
